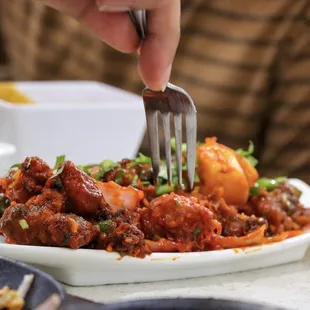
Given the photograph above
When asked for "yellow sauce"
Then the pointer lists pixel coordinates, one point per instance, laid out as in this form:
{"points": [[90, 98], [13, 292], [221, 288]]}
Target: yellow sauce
{"points": [[9, 93]]}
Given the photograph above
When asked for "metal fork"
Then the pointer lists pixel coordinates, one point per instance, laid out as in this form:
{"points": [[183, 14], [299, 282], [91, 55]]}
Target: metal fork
{"points": [[176, 101]]}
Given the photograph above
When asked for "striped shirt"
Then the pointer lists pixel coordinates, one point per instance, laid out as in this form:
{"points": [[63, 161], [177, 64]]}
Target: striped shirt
{"points": [[245, 63]]}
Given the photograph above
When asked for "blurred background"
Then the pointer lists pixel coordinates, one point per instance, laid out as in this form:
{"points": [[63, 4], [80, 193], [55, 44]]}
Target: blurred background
{"points": [[246, 64]]}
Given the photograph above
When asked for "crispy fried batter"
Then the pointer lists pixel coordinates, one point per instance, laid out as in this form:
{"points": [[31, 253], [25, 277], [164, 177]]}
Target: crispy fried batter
{"points": [[29, 180], [281, 209], [179, 219], [126, 239], [82, 190], [39, 225]]}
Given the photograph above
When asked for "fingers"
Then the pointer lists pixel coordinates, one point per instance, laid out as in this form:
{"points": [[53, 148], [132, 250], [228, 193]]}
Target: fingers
{"points": [[158, 50], [115, 29], [125, 5]]}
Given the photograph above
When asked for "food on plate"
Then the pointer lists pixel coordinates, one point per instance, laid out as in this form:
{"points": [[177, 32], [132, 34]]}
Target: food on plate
{"points": [[222, 170], [15, 299], [117, 206], [10, 93]]}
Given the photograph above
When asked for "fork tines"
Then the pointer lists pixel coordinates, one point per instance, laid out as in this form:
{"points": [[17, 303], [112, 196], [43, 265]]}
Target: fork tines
{"points": [[177, 102]]}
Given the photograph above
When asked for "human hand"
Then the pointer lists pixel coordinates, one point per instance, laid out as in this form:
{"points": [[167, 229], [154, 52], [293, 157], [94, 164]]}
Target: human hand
{"points": [[110, 21]]}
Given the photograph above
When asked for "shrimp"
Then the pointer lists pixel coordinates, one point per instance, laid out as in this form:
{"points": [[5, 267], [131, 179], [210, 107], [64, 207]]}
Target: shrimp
{"points": [[224, 173], [118, 197]]}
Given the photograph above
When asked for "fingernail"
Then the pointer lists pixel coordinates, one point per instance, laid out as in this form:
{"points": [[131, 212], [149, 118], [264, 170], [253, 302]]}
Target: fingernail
{"points": [[112, 8], [166, 77]]}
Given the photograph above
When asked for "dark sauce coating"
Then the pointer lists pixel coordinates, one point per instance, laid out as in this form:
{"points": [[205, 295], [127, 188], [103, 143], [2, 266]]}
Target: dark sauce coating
{"points": [[83, 194], [280, 208], [180, 219], [29, 181], [39, 225], [39, 206]]}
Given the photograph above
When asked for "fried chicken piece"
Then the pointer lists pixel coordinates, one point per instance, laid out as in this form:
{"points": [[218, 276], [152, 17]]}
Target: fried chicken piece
{"points": [[39, 225], [120, 232], [179, 219], [233, 223], [68, 230], [82, 191], [125, 239], [281, 208], [22, 224], [49, 198], [29, 180]]}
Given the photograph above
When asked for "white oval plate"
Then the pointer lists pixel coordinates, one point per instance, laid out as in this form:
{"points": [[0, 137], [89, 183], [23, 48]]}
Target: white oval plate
{"points": [[95, 267]]}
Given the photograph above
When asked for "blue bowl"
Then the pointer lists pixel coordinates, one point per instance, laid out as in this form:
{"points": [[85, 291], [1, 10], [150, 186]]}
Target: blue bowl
{"points": [[43, 286]]}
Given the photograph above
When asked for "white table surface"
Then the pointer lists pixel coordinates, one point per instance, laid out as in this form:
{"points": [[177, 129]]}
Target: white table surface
{"points": [[286, 286]]}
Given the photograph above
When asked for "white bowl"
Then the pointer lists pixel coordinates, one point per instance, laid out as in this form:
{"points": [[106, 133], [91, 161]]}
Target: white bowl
{"points": [[86, 121]]}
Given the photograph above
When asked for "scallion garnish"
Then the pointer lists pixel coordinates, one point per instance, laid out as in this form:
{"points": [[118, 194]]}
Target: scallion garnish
{"points": [[106, 166], [142, 159], [29, 163], [67, 238], [164, 189], [23, 224], [106, 226], [248, 154], [173, 143], [196, 233], [58, 172], [59, 160], [119, 176], [11, 168], [266, 184]]}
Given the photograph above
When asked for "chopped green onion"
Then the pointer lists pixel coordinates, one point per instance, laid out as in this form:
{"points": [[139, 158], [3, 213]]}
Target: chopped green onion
{"points": [[267, 184], [196, 233], [164, 189], [254, 191], [15, 166], [86, 168], [119, 176], [142, 159], [106, 226], [248, 154], [58, 184], [59, 160], [29, 163], [163, 171], [173, 144], [23, 224], [134, 181], [11, 168], [106, 166], [58, 172], [253, 161], [67, 238], [270, 184]]}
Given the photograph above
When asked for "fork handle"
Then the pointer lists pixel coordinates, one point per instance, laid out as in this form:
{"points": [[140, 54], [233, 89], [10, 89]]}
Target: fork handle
{"points": [[140, 21]]}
